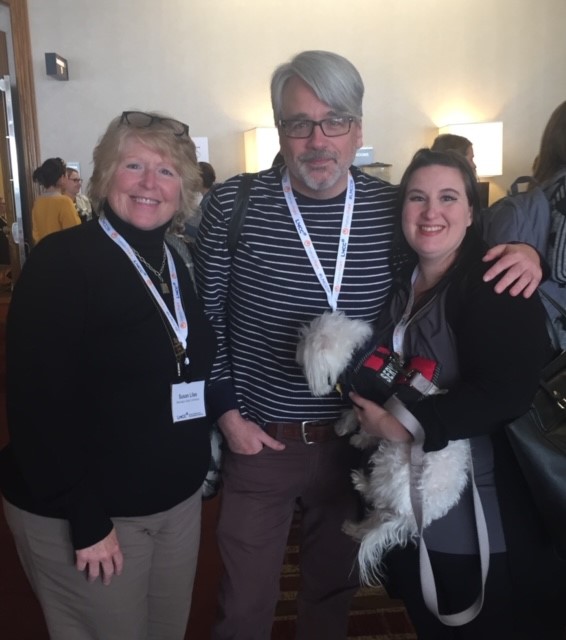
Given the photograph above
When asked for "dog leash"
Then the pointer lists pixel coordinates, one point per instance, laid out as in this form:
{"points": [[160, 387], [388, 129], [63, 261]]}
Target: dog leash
{"points": [[428, 584]]}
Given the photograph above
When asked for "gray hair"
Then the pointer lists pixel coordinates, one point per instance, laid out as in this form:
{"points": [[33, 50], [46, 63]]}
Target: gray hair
{"points": [[334, 80]]}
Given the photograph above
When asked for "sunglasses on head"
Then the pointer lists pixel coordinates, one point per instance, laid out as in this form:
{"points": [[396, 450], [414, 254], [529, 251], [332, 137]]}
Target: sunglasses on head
{"points": [[142, 120]]}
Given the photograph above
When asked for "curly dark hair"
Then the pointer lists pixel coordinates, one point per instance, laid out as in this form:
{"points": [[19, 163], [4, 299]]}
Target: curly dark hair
{"points": [[49, 173]]}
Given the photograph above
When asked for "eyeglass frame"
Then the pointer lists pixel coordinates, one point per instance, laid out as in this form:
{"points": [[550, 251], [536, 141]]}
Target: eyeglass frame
{"points": [[75, 179], [153, 118], [316, 123]]}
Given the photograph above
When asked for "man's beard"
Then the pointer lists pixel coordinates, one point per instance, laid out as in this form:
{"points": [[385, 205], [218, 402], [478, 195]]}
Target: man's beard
{"points": [[309, 176]]}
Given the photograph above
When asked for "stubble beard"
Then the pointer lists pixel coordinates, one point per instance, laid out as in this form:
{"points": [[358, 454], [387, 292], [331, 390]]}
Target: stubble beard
{"points": [[311, 177]]}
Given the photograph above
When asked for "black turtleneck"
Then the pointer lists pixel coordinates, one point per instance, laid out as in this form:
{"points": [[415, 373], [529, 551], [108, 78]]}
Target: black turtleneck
{"points": [[90, 364], [148, 243]]}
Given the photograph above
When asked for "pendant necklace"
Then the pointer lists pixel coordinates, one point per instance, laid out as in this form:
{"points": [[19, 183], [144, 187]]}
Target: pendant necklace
{"points": [[162, 284]]}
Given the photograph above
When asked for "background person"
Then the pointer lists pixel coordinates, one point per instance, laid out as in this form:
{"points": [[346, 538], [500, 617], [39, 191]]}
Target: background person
{"points": [[491, 349], [453, 142], [539, 217], [208, 182], [550, 162], [208, 177], [257, 301], [72, 190], [463, 146], [549, 171], [106, 335], [52, 211]]}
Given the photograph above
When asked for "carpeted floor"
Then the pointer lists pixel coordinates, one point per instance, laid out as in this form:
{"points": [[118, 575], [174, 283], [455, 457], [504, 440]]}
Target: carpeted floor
{"points": [[374, 616]]}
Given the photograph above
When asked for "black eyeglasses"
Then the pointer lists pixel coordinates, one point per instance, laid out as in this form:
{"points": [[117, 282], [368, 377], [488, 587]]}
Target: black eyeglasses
{"points": [[331, 127], [141, 120]]}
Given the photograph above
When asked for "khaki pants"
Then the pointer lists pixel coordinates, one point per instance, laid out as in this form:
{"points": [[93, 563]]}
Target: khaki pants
{"points": [[149, 601]]}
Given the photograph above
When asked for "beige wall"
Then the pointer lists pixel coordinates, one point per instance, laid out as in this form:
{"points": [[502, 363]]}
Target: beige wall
{"points": [[425, 63]]}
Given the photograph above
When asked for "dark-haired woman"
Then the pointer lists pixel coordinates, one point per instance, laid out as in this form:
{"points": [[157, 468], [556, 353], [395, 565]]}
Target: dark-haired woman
{"points": [[490, 349], [52, 211]]}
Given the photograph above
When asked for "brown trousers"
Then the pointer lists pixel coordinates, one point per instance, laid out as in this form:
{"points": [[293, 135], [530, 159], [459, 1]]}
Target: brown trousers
{"points": [[150, 600], [258, 501]]}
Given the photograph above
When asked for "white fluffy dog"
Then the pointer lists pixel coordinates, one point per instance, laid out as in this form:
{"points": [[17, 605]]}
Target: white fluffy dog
{"points": [[326, 348]]}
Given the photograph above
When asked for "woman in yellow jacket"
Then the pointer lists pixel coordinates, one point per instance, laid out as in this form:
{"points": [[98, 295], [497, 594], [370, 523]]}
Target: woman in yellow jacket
{"points": [[52, 211]]}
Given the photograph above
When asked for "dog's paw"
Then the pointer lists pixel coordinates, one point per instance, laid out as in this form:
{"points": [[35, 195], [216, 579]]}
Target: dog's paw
{"points": [[363, 440], [347, 423], [354, 530], [360, 481]]}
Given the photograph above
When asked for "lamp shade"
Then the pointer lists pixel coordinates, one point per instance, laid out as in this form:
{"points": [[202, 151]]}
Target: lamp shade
{"points": [[487, 138], [261, 146]]}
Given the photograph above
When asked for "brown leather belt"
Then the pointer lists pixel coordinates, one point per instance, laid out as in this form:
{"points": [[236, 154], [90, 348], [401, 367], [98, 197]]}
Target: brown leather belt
{"points": [[307, 431]]}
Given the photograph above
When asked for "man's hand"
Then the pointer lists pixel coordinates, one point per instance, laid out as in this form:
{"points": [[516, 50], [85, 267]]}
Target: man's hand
{"points": [[244, 436], [103, 557], [519, 263]]}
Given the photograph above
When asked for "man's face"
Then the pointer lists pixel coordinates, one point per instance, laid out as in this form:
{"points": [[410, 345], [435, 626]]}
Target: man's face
{"points": [[318, 165], [73, 185]]}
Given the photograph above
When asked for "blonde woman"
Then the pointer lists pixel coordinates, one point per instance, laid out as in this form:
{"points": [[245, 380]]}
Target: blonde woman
{"points": [[109, 355]]}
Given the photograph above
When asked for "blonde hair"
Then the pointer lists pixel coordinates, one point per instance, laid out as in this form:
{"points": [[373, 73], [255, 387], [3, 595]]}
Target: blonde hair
{"points": [[158, 137]]}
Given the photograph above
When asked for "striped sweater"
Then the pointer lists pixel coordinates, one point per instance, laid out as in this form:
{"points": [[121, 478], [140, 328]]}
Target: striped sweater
{"points": [[259, 299]]}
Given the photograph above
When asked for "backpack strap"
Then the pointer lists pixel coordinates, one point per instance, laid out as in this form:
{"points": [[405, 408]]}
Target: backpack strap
{"points": [[182, 248], [553, 302], [239, 210], [521, 181]]}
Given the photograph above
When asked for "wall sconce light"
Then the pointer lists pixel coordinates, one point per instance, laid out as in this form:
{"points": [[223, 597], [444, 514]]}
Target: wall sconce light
{"points": [[56, 66], [487, 138], [261, 145]]}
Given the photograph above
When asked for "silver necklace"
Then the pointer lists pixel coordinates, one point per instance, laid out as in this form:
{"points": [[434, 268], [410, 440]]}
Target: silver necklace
{"points": [[162, 284]]}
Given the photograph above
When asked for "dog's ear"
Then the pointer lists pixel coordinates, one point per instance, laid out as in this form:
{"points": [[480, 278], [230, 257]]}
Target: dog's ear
{"points": [[326, 347]]}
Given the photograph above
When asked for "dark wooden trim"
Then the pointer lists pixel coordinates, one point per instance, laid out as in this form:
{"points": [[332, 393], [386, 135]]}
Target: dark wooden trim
{"points": [[4, 67], [28, 138]]}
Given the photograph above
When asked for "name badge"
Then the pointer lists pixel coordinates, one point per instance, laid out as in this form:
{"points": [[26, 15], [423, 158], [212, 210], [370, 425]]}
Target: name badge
{"points": [[187, 401]]}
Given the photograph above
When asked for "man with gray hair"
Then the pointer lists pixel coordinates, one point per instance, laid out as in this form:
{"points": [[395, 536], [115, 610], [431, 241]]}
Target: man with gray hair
{"points": [[316, 236]]}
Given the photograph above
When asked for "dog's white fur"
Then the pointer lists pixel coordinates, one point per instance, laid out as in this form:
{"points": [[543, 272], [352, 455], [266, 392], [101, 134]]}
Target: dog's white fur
{"points": [[326, 346], [325, 349], [387, 490]]}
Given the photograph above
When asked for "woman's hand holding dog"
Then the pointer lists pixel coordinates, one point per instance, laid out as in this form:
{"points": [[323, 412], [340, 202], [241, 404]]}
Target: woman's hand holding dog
{"points": [[244, 436], [376, 421]]}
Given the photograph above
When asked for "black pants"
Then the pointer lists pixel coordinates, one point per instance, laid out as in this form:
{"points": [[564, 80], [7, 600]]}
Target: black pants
{"points": [[510, 610]]}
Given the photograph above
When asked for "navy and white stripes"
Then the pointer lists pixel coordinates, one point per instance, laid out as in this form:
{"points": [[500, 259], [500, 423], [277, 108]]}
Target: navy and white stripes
{"points": [[258, 300]]}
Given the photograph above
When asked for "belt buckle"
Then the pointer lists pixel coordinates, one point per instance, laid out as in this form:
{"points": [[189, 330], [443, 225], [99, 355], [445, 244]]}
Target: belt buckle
{"points": [[304, 424]]}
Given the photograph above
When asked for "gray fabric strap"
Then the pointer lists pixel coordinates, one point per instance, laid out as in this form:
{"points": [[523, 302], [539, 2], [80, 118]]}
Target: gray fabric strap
{"points": [[553, 302], [428, 585]]}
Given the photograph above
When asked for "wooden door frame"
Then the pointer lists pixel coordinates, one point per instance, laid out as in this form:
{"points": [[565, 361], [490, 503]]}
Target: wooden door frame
{"points": [[28, 138]]}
